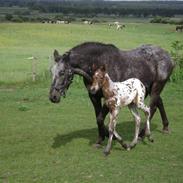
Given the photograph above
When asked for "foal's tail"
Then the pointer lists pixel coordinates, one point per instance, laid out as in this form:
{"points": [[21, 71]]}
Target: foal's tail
{"points": [[141, 92]]}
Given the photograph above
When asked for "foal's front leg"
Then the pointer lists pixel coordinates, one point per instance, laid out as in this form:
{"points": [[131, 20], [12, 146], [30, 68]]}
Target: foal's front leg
{"points": [[112, 130]]}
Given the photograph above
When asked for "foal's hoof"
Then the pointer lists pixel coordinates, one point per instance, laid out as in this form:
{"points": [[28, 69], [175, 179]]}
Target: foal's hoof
{"points": [[106, 153], [127, 147], [151, 139]]}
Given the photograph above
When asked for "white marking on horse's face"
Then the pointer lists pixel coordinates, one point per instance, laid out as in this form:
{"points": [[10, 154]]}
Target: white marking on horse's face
{"points": [[57, 70]]}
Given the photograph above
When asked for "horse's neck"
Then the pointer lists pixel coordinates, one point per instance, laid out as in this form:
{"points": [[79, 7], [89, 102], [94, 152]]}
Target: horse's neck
{"points": [[108, 87]]}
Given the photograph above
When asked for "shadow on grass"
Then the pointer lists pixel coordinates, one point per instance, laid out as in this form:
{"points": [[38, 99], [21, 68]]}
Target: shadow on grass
{"points": [[125, 129]]}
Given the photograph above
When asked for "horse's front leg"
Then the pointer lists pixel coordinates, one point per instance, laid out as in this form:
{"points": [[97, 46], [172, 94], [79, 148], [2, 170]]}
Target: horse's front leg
{"points": [[100, 112]]}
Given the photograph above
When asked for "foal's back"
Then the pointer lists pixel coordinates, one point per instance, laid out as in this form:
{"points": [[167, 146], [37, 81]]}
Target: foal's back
{"points": [[129, 91]]}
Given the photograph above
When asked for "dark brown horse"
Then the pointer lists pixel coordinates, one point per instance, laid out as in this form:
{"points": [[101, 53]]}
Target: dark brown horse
{"points": [[151, 64]]}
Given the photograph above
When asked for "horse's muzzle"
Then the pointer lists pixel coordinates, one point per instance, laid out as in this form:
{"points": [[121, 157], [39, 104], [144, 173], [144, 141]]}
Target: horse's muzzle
{"points": [[54, 96], [54, 99]]}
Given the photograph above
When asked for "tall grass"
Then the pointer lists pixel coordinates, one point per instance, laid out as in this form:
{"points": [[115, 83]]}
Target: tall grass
{"points": [[177, 55]]}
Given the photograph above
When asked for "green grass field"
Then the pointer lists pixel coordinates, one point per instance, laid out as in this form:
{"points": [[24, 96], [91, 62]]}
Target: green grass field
{"points": [[45, 143], [20, 41]]}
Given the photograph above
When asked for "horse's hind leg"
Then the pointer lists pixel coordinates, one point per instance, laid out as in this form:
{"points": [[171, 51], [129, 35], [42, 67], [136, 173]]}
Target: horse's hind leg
{"points": [[156, 101], [163, 115]]}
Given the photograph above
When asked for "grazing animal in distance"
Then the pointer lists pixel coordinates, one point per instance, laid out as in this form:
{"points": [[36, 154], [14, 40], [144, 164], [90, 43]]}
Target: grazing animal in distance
{"points": [[129, 93], [88, 22], [110, 25], [151, 64], [119, 26], [116, 23], [179, 28]]}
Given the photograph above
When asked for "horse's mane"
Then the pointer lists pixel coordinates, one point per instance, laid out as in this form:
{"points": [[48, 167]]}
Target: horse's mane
{"points": [[87, 47]]}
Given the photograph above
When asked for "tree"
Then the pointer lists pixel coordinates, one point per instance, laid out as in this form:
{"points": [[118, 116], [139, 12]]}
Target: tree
{"points": [[8, 17]]}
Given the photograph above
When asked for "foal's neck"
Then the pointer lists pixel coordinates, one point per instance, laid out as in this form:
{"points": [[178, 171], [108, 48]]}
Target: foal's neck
{"points": [[108, 87]]}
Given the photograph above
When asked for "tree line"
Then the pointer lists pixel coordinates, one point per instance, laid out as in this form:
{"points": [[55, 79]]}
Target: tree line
{"points": [[88, 8]]}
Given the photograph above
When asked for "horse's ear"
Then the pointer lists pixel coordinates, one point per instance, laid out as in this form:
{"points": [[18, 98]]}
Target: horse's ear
{"points": [[56, 55], [102, 68]]}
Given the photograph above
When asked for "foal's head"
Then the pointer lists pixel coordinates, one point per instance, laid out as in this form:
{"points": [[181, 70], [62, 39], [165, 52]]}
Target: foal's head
{"points": [[98, 79]]}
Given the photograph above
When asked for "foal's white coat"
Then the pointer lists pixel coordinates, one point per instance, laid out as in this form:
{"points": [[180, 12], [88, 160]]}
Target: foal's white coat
{"points": [[129, 93]]}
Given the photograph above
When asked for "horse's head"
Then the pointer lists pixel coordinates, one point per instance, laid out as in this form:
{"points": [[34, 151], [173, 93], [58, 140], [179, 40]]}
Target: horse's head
{"points": [[62, 75]]}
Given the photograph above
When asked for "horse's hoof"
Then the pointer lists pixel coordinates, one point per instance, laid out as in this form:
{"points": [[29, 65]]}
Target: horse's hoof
{"points": [[141, 138], [141, 134], [98, 146], [166, 130]]}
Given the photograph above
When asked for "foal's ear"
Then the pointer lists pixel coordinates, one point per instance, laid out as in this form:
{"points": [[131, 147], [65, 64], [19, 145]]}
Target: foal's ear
{"points": [[56, 55], [102, 68], [94, 67]]}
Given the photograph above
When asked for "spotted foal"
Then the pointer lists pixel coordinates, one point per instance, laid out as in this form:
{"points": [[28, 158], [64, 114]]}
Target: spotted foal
{"points": [[129, 93]]}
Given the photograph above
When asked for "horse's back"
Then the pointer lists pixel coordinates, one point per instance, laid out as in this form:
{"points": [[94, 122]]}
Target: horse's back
{"points": [[145, 62]]}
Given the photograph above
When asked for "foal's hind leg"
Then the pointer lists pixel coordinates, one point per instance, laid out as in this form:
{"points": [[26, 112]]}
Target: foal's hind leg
{"points": [[146, 111], [136, 115]]}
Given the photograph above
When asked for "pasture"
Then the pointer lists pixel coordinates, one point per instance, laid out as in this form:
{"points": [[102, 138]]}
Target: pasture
{"points": [[45, 142]]}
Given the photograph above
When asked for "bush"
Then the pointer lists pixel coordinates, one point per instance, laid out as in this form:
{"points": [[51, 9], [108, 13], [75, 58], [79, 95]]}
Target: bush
{"points": [[156, 20], [181, 22], [8, 17], [165, 20], [177, 55], [17, 19], [58, 17]]}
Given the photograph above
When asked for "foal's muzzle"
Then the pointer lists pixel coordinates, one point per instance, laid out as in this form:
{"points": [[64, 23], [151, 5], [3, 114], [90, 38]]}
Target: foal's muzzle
{"points": [[93, 90]]}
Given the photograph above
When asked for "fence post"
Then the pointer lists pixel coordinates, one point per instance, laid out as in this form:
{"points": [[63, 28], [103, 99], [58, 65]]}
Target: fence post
{"points": [[34, 70], [50, 64]]}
